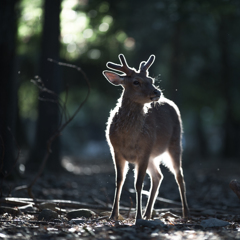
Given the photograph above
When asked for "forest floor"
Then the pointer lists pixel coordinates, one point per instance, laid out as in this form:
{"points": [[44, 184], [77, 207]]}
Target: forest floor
{"points": [[213, 205]]}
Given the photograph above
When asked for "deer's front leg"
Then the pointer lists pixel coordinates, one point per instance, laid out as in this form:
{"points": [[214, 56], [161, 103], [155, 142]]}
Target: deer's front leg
{"points": [[120, 171], [140, 171]]}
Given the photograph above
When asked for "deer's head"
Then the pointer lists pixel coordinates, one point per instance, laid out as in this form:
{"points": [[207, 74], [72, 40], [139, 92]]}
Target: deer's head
{"points": [[138, 86]]}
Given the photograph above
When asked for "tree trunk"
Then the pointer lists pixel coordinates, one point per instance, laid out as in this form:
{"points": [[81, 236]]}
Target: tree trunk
{"points": [[175, 62], [48, 112], [8, 89], [230, 126]]}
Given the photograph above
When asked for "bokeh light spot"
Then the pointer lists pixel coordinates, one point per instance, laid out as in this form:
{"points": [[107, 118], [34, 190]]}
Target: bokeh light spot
{"points": [[108, 19], [87, 33], [121, 36], [129, 43], [94, 54], [103, 27], [71, 47]]}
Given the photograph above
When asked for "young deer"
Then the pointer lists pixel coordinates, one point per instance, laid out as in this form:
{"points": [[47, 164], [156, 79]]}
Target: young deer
{"points": [[142, 127]]}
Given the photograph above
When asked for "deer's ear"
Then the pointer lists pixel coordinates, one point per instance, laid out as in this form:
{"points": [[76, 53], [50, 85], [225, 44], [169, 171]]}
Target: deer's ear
{"points": [[113, 78]]}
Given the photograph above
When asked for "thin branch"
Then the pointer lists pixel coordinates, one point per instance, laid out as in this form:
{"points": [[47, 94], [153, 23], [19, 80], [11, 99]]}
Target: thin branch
{"points": [[131, 206], [61, 127], [88, 83], [60, 203], [62, 105], [42, 87]]}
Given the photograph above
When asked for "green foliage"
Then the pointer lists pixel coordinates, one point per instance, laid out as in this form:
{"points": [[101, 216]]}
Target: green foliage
{"points": [[29, 23], [85, 31], [27, 100], [188, 37]]}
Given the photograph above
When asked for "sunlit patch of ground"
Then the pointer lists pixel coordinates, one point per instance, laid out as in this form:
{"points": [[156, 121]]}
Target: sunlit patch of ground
{"points": [[71, 165]]}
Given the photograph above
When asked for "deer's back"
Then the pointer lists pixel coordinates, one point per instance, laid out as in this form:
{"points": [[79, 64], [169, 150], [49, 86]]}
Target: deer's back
{"points": [[168, 126]]}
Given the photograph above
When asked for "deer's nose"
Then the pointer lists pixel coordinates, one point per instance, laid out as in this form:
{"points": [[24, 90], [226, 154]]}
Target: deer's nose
{"points": [[155, 95], [157, 92]]}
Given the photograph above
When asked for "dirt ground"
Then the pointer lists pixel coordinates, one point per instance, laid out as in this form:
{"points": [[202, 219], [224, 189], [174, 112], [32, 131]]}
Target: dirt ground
{"points": [[90, 185]]}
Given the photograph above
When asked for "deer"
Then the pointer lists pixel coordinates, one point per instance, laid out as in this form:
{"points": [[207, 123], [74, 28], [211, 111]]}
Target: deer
{"points": [[144, 129]]}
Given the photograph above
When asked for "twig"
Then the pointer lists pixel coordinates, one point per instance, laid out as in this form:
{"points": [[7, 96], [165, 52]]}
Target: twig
{"points": [[61, 127], [39, 83], [17, 201], [57, 133], [62, 105], [60, 203], [128, 214]]}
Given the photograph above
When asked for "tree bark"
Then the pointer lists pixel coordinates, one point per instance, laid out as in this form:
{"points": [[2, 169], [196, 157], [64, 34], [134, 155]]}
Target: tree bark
{"points": [[48, 112], [8, 89], [230, 126], [175, 62]]}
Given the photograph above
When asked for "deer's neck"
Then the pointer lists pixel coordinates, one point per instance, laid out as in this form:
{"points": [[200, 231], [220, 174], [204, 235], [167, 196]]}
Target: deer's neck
{"points": [[131, 115]]}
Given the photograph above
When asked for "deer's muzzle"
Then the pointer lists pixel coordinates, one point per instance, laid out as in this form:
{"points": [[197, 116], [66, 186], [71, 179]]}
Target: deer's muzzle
{"points": [[156, 95]]}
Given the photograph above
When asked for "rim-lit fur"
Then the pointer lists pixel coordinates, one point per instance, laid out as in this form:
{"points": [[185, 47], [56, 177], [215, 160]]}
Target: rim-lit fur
{"points": [[143, 128]]}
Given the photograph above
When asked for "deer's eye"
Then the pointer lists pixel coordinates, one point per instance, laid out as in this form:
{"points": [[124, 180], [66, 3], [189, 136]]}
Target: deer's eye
{"points": [[136, 82]]}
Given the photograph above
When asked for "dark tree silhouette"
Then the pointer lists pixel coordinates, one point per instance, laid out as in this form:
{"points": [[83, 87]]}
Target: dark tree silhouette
{"points": [[230, 125], [8, 100], [48, 112]]}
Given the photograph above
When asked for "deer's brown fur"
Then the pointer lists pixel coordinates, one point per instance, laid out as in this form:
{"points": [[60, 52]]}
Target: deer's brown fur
{"points": [[140, 129]]}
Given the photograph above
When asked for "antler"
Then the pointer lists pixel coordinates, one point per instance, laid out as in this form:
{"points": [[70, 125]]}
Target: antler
{"points": [[144, 66], [123, 67]]}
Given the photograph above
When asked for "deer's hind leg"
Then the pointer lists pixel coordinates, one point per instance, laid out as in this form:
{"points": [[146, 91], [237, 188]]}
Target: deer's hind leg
{"points": [[175, 153], [156, 178]]}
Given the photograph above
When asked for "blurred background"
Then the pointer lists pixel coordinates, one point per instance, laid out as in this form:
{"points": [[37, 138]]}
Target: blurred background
{"points": [[196, 43]]}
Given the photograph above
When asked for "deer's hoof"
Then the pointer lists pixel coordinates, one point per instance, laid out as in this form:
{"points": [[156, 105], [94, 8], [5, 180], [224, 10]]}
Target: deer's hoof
{"points": [[186, 215]]}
